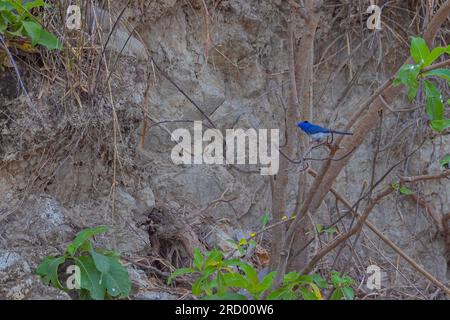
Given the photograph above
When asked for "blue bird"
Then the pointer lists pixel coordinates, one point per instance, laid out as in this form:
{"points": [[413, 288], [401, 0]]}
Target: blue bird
{"points": [[317, 132]]}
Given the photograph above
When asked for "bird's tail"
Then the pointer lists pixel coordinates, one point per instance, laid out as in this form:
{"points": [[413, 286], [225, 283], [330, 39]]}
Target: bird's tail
{"points": [[341, 132]]}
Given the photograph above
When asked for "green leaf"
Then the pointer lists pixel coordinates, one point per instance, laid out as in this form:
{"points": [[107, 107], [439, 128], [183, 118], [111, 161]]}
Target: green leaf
{"points": [[405, 191], [436, 53], [214, 258], [339, 281], [348, 293], [442, 73], [116, 279], [82, 236], [281, 294], [221, 285], [40, 36], [49, 41], [90, 277], [307, 294], [319, 228], [34, 4], [435, 103], [265, 219], [234, 279], [445, 161], [330, 230], [337, 294], [440, 125], [6, 5], [48, 270], [319, 281], [3, 23], [226, 296], [419, 50], [196, 287], [407, 75], [101, 261], [198, 259], [33, 30], [290, 277], [251, 274], [305, 279], [179, 273], [243, 242], [266, 282]]}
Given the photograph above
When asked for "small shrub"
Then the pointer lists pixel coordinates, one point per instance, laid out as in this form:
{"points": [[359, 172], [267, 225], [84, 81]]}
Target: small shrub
{"points": [[101, 275]]}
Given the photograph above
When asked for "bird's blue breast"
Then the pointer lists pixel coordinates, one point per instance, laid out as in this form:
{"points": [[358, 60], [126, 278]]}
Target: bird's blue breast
{"points": [[312, 128]]}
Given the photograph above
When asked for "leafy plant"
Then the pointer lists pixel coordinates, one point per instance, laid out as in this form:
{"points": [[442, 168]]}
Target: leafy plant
{"points": [[410, 74], [17, 21], [342, 287], [101, 273], [220, 278]]}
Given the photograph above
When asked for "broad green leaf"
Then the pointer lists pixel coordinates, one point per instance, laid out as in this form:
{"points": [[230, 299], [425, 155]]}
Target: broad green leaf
{"points": [[40, 36], [407, 75], [405, 191], [221, 285], [179, 273], [33, 30], [236, 280], [34, 4], [307, 294], [101, 261], [266, 282], [250, 273], [442, 73], [305, 279], [196, 287], [90, 277], [198, 259], [49, 41], [319, 281], [82, 236], [435, 103], [226, 296], [231, 262], [337, 294], [436, 53], [290, 277], [48, 270], [348, 293], [117, 280], [5, 5], [445, 161], [419, 50], [440, 125], [282, 294]]}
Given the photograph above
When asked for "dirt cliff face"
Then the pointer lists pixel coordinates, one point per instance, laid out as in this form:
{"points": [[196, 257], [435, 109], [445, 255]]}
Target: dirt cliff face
{"points": [[76, 163]]}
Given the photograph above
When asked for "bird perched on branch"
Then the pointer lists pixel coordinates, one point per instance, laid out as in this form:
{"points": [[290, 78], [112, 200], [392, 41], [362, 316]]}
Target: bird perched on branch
{"points": [[317, 132]]}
